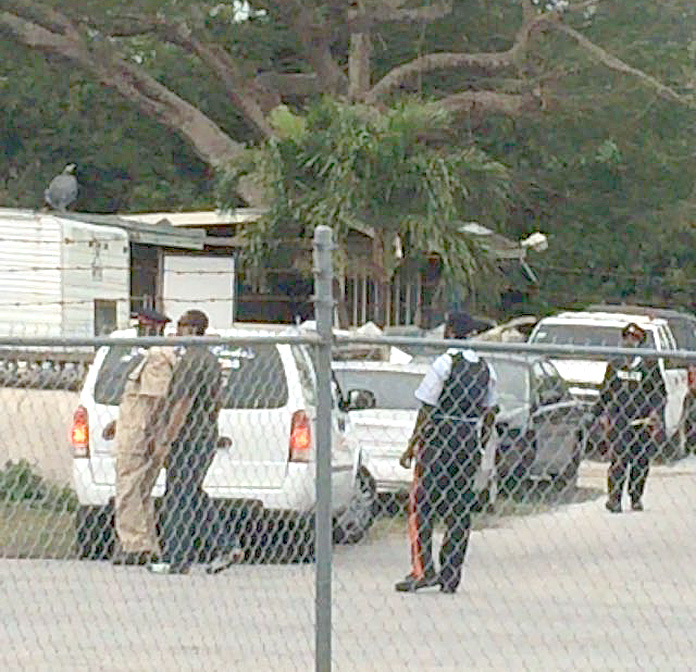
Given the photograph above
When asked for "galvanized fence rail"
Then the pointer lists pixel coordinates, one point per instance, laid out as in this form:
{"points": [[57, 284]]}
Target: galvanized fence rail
{"points": [[295, 526]]}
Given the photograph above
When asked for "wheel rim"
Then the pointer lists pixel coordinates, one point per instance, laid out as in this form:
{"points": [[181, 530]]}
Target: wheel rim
{"points": [[359, 512]]}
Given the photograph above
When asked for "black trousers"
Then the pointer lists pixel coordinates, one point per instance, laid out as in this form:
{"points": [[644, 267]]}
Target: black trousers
{"points": [[631, 451], [443, 487], [186, 516]]}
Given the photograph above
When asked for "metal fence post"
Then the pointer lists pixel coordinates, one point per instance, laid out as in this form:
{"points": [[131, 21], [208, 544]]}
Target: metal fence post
{"points": [[323, 311]]}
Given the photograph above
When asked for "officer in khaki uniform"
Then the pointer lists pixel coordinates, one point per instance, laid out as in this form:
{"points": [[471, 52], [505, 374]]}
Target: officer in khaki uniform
{"points": [[140, 446]]}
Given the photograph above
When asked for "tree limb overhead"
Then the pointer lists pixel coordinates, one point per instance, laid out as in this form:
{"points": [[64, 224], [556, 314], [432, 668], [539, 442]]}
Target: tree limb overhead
{"points": [[610, 61]]}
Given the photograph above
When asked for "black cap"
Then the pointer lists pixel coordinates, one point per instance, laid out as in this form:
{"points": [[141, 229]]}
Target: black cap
{"points": [[194, 318], [462, 324], [151, 315], [633, 330]]}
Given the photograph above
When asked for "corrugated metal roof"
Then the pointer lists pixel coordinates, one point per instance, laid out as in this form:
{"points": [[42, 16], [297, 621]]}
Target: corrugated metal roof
{"points": [[201, 218], [162, 234]]}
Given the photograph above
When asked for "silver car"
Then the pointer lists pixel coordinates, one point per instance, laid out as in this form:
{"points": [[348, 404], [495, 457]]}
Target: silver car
{"points": [[384, 422], [539, 424]]}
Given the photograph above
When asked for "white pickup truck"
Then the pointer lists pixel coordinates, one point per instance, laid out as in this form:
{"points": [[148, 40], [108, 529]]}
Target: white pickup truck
{"points": [[585, 375]]}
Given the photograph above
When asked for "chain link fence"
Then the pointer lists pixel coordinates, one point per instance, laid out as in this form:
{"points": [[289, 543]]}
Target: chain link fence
{"points": [[160, 514]]}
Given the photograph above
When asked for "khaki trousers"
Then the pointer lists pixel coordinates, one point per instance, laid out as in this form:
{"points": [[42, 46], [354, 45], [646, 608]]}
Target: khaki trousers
{"points": [[138, 463]]}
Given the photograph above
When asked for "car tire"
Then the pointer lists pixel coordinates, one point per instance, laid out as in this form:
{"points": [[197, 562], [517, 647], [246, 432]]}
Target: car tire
{"points": [[352, 524], [568, 478], [95, 534], [279, 537], [513, 480]]}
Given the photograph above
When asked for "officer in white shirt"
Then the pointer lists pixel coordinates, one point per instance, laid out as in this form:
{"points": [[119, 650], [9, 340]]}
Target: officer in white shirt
{"points": [[458, 400]]}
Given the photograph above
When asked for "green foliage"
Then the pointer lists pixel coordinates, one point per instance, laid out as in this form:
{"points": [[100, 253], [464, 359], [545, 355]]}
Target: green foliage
{"points": [[394, 172], [19, 483], [607, 168]]}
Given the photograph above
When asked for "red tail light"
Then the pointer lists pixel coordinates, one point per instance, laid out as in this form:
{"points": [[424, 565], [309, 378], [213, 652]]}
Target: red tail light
{"points": [[300, 437], [79, 432], [692, 377]]}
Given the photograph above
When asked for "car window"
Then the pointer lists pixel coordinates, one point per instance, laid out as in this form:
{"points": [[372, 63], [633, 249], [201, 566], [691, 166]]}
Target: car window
{"points": [[666, 339], [305, 368], [512, 382], [583, 334], [548, 384], [684, 331], [392, 389], [252, 377], [119, 361]]}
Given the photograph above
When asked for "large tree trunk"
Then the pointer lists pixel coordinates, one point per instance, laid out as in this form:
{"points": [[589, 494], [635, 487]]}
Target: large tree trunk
{"points": [[359, 65]]}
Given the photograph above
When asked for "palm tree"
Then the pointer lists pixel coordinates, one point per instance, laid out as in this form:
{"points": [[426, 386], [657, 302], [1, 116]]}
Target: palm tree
{"points": [[393, 174]]}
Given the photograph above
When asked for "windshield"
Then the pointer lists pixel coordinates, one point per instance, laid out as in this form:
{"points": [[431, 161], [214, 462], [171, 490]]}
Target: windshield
{"points": [[583, 334], [253, 377], [512, 382], [392, 389]]}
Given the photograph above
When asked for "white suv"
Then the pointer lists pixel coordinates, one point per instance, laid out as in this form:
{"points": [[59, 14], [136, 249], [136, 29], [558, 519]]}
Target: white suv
{"points": [[584, 375], [266, 466]]}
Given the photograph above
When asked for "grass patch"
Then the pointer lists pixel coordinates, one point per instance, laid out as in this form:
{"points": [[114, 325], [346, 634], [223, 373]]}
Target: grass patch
{"points": [[28, 531], [20, 483], [37, 518]]}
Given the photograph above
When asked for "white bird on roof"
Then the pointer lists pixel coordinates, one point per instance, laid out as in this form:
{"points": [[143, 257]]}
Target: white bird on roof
{"points": [[62, 190]]}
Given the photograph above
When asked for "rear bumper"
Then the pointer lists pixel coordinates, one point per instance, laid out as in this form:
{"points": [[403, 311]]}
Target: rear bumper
{"points": [[389, 475], [391, 478], [298, 492]]}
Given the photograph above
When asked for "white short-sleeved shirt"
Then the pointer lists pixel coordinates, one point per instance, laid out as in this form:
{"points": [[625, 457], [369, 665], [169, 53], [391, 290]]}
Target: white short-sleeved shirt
{"points": [[429, 390]]}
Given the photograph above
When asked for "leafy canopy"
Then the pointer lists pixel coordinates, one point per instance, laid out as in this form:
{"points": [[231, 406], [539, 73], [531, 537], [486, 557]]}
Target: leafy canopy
{"points": [[392, 173]]}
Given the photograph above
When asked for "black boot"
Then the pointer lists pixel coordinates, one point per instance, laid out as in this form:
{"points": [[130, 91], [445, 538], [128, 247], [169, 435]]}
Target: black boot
{"points": [[613, 505], [413, 583]]}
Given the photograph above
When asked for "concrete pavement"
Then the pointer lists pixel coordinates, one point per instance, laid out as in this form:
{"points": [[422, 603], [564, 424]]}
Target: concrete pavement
{"points": [[575, 588]]}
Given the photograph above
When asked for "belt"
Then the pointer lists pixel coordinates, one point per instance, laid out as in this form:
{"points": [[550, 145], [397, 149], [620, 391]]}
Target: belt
{"points": [[456, 418]]}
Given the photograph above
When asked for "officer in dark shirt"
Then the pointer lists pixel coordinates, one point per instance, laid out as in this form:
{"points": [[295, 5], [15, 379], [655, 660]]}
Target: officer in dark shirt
{"points": [[631, 409], [192, 408]]}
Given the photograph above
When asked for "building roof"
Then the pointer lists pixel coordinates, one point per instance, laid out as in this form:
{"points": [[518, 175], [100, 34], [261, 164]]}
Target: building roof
{"points": [[161, 234], [197, 219]]}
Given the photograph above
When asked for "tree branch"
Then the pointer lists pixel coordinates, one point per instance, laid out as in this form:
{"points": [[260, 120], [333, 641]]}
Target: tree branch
{"points": [[238, 88], [610, 61], [359, 65], [43, 16], [486, 102], [365, 21], [315, 39], [211, 143], [488, 62], [293, 84], [125, 26]]}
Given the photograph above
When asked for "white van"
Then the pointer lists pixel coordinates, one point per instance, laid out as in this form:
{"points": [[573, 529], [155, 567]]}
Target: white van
{"points": [[266, 465], [585, 375]]}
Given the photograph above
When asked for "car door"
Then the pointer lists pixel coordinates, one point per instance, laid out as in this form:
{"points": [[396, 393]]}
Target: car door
{"points": [[674, 372], [556, 419]]}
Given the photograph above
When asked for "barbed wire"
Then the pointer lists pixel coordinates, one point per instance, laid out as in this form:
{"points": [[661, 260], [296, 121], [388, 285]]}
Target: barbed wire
{"points": [[67, 241], [111, 267], [90, 302]]}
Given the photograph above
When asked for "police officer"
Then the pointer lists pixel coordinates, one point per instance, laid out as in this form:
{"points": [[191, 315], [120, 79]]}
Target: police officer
{"points": [[139, 451], [457, 398], [631, 408]]}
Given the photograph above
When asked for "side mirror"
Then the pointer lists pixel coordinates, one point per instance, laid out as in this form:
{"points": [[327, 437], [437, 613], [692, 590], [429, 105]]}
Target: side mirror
{"points": [[360, 400], [551, 395]]}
